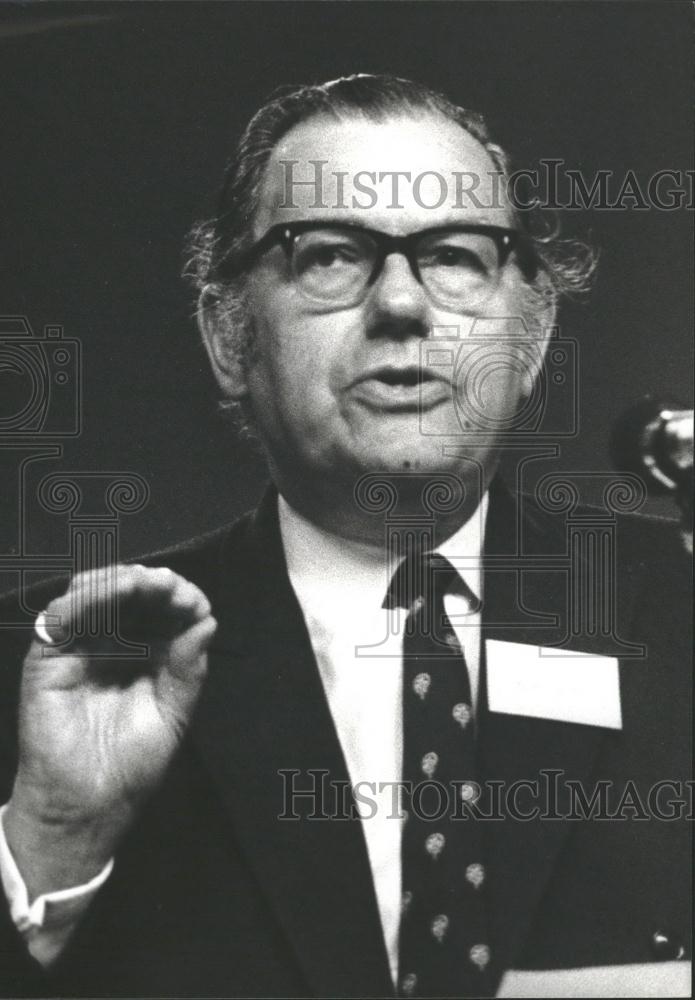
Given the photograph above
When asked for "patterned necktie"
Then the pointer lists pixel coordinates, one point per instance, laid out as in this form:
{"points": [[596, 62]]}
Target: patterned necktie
{"points": [[442, 942]]}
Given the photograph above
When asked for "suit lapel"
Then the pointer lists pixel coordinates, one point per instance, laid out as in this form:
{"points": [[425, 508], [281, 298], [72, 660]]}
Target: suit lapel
{"points": [[263, 727], [527, 606]]}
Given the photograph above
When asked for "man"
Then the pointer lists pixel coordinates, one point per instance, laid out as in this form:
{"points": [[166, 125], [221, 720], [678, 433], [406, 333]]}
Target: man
{"points": [[238, 813]]}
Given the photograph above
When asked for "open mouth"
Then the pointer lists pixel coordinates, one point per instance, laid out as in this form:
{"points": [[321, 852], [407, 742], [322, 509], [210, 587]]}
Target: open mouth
{"points": [[406, 388], [412, 376]]}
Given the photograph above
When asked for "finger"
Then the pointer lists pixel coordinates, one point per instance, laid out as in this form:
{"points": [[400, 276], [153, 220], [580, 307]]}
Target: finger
{"points": [[122, 582], [152, 616], [187, 595], [178, 683], [189, 646], [153, 602], [90, 593], [48, 629]]}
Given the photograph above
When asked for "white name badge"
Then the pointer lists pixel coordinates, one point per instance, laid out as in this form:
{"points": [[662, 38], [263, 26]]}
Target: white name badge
{"points": [[655, 979], [559, 684]]}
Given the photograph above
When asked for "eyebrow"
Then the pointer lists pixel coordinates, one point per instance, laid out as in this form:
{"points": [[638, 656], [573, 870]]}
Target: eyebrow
{"points": [[359, 222]]}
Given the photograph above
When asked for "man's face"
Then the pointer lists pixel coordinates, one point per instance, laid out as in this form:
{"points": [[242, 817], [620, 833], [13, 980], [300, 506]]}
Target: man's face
{"points": [[337, 392]]}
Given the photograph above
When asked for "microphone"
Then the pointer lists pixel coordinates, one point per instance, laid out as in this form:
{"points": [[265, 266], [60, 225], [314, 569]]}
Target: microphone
{"points": [[654, 440]]}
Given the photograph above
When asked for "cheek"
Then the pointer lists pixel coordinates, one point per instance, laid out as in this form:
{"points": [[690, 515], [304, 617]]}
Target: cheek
{"points": [[497, 364], [493, 385], [300, 351], [293, 374]]}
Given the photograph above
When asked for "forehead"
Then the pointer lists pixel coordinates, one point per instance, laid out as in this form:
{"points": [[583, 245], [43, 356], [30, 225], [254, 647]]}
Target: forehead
{"points": [[400, 174]]}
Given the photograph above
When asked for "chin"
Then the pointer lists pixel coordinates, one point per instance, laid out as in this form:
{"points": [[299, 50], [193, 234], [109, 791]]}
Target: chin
{"points": [[422, 455]]}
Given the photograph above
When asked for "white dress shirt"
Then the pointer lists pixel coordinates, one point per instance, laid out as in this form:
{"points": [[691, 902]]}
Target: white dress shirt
{"points": [[358, 646], [47, 923]]}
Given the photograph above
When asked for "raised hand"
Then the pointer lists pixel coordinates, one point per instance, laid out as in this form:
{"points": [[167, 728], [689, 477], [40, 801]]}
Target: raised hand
{"points": [[96, 733]]}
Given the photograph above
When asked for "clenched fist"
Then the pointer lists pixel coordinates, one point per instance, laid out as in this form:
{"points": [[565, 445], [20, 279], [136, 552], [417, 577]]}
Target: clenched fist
{"points": [[96, 733]]}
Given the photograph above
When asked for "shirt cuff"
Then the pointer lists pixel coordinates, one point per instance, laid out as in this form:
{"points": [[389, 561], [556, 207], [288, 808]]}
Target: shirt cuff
{"points": [[46, 923]]}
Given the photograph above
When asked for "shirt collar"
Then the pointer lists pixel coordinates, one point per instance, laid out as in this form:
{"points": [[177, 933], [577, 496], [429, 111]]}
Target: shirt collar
{"points": [[329, 573]]}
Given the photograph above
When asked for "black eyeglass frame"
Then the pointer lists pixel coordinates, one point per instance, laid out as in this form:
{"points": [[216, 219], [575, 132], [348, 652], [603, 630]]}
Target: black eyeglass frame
{"points": [[285, 233]]}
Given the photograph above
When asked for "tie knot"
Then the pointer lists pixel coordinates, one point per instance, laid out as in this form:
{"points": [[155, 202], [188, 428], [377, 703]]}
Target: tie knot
{"points": [[422, 579]]}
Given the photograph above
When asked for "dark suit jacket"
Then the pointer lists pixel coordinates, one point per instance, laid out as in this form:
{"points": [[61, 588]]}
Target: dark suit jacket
{"points": [[213, 895]]}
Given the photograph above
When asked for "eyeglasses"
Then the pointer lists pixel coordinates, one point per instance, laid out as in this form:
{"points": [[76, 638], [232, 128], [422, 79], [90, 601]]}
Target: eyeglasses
{"points": [[335, 264]]}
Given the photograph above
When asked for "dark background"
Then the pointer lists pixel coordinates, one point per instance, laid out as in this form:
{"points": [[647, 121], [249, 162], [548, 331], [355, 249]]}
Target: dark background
{"points": [[116, 123]]}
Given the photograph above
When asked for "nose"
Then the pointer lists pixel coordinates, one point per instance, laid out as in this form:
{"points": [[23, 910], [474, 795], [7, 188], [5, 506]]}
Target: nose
{"points": [[397, 304]]}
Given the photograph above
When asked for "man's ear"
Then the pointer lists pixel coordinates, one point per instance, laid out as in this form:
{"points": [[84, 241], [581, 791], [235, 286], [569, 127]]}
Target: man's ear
{"points": [[222, 344]]}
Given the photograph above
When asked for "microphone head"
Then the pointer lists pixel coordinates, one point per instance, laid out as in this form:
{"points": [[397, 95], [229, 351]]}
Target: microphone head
{"points": [[640, 443]]}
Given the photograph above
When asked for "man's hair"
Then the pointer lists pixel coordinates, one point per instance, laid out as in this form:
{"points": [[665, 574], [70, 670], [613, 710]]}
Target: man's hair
{"points": [[217, 243], [558, 267]]}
